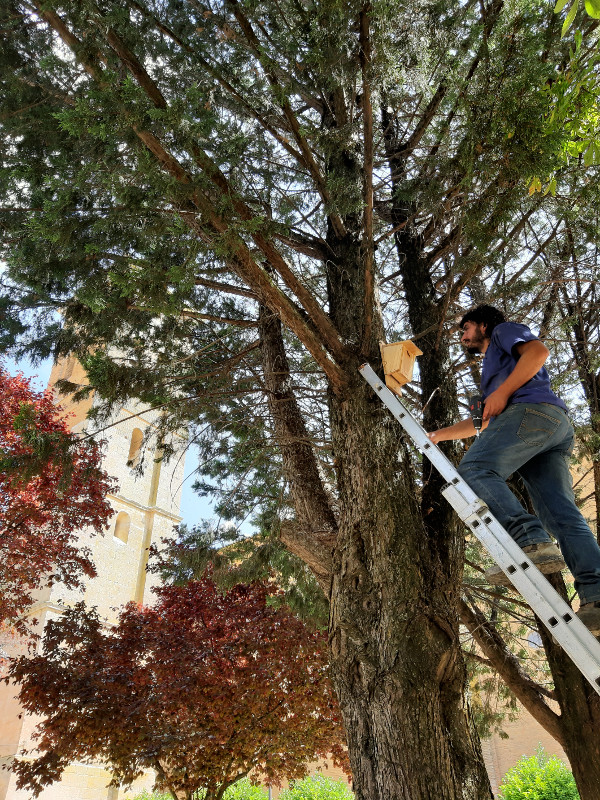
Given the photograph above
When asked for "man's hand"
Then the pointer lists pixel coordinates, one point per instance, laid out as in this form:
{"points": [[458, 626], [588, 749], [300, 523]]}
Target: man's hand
{"points": [[460, 430], [436, 436], [495, 404]]}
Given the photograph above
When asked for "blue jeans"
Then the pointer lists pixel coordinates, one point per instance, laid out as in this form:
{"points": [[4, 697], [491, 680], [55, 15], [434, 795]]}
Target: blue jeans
{"points": [[536, 440]]}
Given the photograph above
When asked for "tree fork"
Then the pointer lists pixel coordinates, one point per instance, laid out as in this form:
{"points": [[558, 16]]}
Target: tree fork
{"points": [[438, 392]]}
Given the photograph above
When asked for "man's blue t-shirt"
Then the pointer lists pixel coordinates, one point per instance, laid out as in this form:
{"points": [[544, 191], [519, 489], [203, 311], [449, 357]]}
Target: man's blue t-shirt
{"points": [[499, 362]]}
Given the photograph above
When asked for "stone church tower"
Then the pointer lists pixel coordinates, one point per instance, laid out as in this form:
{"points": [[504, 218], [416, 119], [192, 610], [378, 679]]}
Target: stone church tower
{"points": [[146, 509]]}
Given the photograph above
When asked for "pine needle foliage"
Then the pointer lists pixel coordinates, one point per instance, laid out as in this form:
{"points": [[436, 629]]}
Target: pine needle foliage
{"points": [[174, 170]]}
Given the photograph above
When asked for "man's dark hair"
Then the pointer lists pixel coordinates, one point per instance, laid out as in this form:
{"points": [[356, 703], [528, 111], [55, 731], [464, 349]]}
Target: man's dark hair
{"points": [[488, 315]]}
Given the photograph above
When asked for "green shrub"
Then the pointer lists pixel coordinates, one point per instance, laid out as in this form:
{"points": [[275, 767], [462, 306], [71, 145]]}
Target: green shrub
{"points": [[539, 777], [242, 790], [146, 795], [317, 787]]}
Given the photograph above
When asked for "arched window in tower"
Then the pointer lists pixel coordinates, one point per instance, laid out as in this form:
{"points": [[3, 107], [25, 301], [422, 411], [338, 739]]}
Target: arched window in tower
{"points": [[135, 448], [122, 526]]}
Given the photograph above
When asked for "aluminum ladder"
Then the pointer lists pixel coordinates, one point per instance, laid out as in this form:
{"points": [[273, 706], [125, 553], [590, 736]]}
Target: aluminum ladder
{"points": [[557, 616]]}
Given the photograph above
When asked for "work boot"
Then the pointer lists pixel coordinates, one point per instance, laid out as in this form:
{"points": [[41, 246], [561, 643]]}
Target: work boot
{"points": [[589, 614], [546, 556]]}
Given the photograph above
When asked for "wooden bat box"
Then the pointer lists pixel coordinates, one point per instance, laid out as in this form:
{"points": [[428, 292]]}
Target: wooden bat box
{"points": [[398, 363]]}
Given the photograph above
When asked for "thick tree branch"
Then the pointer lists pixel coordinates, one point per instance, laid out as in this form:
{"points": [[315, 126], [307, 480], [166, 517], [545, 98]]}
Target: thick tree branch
{"points": [[426, 119], [72, 42], [307, 245], [251, 272], [228, 288], [405, 150], [308, 301], [365, 60], [218, 76], [318, 317], [240, 323], [247, 268], [135, 68], [529, 693], [314, 538]]}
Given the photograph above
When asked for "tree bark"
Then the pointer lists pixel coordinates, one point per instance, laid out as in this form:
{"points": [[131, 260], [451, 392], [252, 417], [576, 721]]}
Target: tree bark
{"points": [[580, 710], [393, 630], [394, 639], [394, 624], [584, 357]]}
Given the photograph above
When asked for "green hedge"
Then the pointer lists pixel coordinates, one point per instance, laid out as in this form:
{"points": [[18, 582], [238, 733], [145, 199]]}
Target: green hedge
{"points": [[317, 788], [540, 777]]}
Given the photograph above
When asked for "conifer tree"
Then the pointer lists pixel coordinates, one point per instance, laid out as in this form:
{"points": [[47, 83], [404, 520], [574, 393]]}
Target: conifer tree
{"points": [[231, 203]]}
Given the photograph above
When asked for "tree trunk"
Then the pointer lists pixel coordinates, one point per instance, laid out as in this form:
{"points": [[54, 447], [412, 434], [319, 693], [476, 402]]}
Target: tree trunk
{"points": [[596, 468], [396, 660], [580, 711], [393, 632], [394, 639], [170, 783], [438, 386]]}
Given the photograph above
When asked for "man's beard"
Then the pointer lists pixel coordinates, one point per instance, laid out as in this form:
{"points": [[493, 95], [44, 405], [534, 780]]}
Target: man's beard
{"points": [[476, 343]]}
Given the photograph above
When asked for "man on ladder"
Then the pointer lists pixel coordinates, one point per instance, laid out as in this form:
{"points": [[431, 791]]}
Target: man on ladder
{"points": [[527, 430]]}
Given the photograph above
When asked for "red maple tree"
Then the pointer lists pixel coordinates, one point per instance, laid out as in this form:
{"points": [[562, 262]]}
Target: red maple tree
{"points": [[51, 486], [204, 688]]}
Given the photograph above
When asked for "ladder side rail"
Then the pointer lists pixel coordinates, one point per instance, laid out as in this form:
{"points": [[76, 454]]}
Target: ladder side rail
{"points": [[558, 617], [555, 613]]}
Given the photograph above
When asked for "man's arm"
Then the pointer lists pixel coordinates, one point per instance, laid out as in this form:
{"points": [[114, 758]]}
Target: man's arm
{"points": [[532, 357], [460, 430]]}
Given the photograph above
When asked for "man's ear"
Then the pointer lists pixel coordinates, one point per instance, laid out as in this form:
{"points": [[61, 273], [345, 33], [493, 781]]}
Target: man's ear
{"points": [[485, 326]]}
